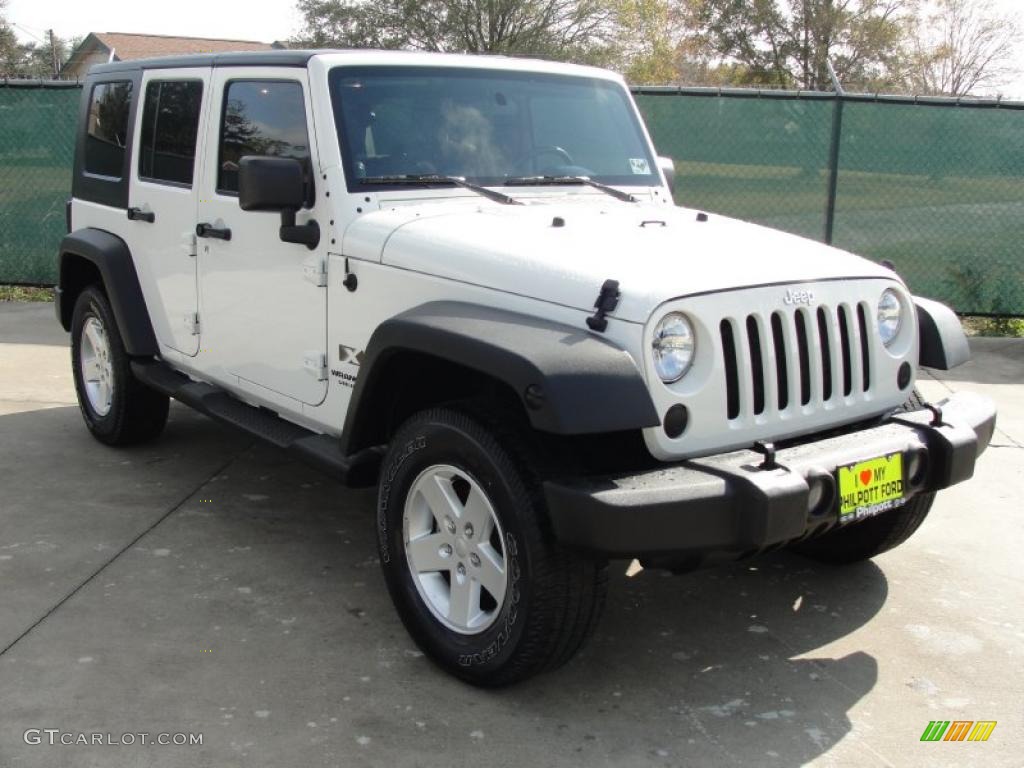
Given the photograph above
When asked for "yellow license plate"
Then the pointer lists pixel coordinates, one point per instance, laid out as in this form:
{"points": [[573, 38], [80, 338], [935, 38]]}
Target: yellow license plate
{"points": [[870, 487]]}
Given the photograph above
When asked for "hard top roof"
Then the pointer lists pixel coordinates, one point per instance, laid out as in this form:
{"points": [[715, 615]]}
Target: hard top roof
{"points": [[300, 58]]}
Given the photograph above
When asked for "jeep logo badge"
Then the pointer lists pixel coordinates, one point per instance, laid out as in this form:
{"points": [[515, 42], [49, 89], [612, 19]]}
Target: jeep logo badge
{"points": [[799, 297]]}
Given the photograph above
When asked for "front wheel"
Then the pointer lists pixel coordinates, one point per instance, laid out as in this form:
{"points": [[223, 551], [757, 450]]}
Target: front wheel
{"points": [[472, 567]]}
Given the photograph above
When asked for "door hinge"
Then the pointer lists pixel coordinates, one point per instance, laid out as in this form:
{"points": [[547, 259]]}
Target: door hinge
{"points": [[314, 270], [192, 323], [315, 364]]}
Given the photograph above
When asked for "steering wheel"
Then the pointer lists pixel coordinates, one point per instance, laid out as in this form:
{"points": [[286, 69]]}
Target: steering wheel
{"points": [[550, 149]]}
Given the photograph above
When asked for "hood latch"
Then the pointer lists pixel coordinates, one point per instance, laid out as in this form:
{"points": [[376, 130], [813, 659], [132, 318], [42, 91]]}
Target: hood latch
{"points": [[607, 301]]}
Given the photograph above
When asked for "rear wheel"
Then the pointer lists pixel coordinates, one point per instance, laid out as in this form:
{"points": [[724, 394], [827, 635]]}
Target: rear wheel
{"points": [[118, 410], [868, 538], [469, 559]]}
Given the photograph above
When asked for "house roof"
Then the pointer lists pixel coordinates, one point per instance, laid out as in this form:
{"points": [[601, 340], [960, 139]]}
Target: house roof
{"points": [[127, 46]]}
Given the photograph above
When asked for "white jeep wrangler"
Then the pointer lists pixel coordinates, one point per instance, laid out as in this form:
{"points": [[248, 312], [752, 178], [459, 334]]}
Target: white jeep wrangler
{"points": [[464, 279]]}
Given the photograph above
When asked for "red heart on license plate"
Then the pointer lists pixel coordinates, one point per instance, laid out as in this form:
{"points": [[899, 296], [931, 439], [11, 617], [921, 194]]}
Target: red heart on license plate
{"points": [[865, 477]]}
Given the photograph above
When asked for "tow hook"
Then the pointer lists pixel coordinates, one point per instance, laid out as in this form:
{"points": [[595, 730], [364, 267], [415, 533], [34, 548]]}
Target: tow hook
{"points": [[768, 451], [936, 412]]}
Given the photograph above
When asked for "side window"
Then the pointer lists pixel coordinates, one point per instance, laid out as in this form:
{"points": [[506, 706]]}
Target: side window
{"points": [[261, 117], [107, 128], [170, 124]]}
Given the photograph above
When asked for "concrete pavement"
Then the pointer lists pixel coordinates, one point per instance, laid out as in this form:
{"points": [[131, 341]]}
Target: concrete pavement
{"points": [[210, 585]]}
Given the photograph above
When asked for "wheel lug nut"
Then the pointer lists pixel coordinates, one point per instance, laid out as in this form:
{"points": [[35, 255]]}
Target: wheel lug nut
{"points": [[446, 550], [449, 524], [474, 558], [469, 530], [461, 569]]}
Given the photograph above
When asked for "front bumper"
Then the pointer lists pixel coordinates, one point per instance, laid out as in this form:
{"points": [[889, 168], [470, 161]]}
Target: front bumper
{"points": [[726, 506]]}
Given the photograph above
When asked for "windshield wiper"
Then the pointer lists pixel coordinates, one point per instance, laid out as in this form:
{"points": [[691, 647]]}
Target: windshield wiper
{"points": [[529, 181], [436, 178]]}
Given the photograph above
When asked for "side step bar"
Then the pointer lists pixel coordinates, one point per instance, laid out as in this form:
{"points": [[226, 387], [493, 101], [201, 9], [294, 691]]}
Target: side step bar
{"points": [[321, 451]]}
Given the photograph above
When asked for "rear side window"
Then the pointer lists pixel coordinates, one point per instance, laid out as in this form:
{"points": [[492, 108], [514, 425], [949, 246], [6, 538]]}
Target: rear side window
{"points": [[107, 128], [170, 124], [261, 117]]}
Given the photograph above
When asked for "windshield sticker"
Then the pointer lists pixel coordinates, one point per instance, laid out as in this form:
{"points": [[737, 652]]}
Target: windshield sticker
{"points": [[639, 166]]}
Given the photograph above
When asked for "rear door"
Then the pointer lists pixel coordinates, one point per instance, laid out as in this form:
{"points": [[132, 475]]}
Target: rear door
{"points": [[163, 199], [263, 302]]}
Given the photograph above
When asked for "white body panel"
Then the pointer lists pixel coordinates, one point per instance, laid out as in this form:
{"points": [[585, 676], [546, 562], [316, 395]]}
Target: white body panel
{"points": [[656, 252], [261, 318], [164, 250]]}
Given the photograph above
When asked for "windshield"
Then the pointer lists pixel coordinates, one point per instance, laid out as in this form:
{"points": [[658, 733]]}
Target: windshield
{"points": [[486, 126]]}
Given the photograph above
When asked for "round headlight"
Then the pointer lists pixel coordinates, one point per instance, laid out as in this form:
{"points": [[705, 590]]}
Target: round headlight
{"points": [[673, 347], [890, 311]]}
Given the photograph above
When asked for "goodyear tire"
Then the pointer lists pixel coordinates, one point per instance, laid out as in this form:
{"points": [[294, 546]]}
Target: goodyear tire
{"points": [[470, 563], [868, 538], [118, 410]]}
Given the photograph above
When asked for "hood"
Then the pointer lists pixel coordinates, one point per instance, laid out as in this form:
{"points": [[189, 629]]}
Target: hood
{"points": [[561, 250]]}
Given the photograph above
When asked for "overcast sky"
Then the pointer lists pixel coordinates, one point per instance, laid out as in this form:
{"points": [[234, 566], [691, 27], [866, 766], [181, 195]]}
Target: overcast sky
{"points": [[235, 19]]}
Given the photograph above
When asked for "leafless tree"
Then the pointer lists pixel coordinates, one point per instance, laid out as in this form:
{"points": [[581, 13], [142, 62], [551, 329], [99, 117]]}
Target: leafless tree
{"points": [[962, 47]]}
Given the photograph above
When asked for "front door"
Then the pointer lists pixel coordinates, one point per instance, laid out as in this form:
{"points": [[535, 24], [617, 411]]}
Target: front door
{"points": [[263, 314], [163, 200]]}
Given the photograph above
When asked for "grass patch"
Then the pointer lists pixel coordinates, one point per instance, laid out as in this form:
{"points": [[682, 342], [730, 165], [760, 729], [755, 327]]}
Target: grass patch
{"points": [[25, 293], [1011, 327]]}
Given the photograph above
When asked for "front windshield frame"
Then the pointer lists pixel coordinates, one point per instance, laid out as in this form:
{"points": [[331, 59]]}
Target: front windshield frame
{"points": [[353, 178]]}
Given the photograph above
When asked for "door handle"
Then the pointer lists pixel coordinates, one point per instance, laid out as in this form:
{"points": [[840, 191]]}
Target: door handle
{"points": [[137, 214], [208, 230]]}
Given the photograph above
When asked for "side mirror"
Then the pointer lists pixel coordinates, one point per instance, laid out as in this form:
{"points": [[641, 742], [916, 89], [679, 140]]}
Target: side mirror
{"points": [[270, 184], [277, 184], [668, 167]]}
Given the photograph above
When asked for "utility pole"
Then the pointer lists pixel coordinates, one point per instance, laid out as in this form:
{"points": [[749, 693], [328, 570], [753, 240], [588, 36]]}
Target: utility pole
{"points": [[53, 55]]}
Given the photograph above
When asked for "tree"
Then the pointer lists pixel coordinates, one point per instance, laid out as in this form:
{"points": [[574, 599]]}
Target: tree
{"points": [[37, 60], [31, 60], [564, 29], [10, 51], [647, 39], [767, 42], [961, 47]]}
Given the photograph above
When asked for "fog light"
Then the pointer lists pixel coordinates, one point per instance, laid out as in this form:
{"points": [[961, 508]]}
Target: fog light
{"points": [[819, 494], [676, 420], [917, 468], [903, 376]]}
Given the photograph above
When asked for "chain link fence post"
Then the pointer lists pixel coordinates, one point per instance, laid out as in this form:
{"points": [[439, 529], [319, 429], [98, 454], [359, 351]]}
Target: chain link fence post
{"points": [[833, 155]]}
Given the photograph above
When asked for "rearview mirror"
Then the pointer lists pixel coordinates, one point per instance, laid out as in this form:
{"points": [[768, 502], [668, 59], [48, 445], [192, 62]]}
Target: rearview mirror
{"points": [[668, 167], [271, 184], [277, 184]]}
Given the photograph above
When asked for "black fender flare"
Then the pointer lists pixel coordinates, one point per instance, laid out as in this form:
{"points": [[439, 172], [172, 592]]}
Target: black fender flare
{"points": [[113, 260], [570, 381], [943, 343]]}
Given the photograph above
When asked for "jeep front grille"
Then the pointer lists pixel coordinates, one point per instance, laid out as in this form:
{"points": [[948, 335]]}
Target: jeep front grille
{"points": [[805, 357], [768, 369]]}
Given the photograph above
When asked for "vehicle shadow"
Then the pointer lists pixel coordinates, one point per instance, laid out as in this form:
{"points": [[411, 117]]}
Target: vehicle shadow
{"points": [[728, 665]]}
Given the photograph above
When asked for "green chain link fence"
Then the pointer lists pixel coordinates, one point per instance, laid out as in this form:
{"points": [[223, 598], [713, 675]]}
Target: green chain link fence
{"points": [[934, 186], [37, 146]]}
